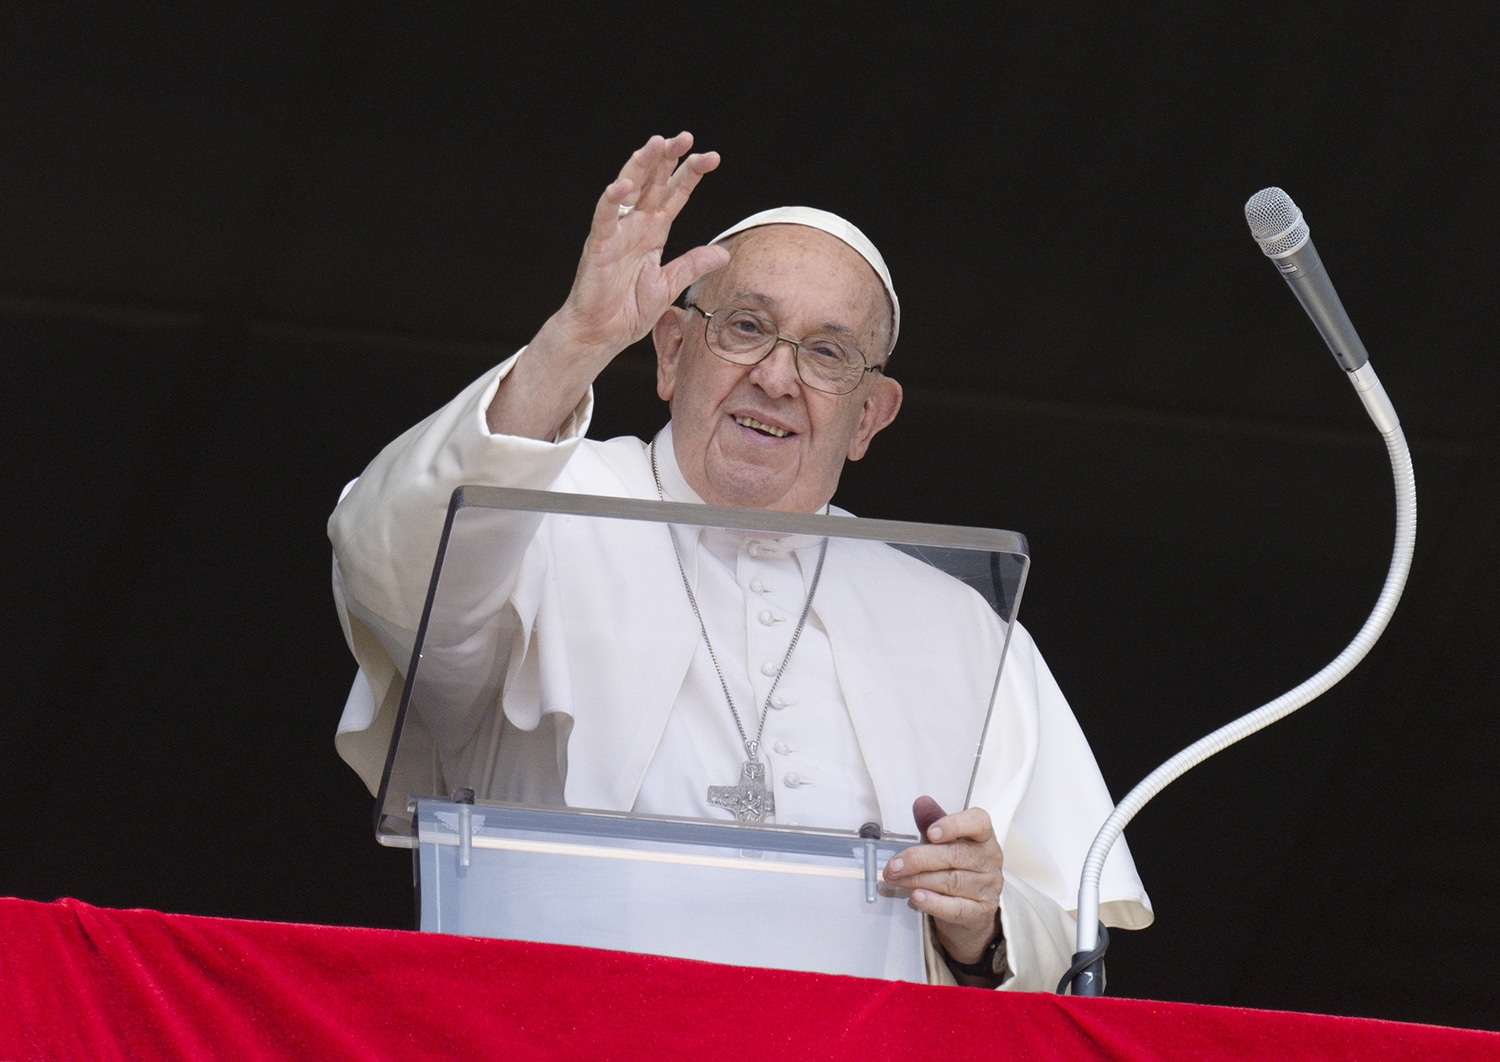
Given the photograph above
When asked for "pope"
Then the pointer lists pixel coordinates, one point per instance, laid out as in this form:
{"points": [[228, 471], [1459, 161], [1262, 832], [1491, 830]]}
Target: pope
{"points": [[772, 346]]}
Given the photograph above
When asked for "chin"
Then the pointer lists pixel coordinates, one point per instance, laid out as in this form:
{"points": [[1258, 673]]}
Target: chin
{"points": [[750, 491]]}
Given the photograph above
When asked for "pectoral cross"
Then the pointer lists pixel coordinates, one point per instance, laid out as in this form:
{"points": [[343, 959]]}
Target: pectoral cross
{"points": [[751, 800]]}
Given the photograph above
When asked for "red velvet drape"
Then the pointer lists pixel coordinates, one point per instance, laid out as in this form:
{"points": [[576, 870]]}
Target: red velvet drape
{"points": [[81, 982]]}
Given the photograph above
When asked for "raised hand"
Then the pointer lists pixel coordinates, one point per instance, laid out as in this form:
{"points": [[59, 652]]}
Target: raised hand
{"points": [[620, 288], [955, 878]]}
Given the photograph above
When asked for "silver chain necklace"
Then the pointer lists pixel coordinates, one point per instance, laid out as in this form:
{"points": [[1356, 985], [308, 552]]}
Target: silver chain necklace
{"points": [[752, 800]]}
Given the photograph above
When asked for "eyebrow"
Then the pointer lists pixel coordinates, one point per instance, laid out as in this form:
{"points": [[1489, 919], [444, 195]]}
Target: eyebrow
{"points": [[766, 302]]}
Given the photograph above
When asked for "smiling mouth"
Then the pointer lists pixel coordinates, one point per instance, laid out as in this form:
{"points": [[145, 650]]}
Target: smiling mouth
{"points": [[767, 429]]}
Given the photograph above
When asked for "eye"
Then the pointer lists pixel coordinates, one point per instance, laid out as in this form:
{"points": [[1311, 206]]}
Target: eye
{"points": [[747, 326], [825, 350]]}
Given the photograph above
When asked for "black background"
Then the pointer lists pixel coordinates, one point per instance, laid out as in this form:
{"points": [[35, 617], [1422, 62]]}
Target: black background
{"points": [[241, 248]]}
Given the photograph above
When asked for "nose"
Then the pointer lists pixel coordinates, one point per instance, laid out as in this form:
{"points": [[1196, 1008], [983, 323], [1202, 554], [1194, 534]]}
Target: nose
{"points": [[776, 373]]}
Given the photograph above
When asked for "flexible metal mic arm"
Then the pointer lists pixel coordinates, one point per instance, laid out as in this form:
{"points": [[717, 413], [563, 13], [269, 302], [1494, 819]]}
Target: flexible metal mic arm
{"points": [[1087, 974]]}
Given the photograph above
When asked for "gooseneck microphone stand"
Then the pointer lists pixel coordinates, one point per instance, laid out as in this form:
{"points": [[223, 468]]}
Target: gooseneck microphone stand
{"points": [[1279, 228]]}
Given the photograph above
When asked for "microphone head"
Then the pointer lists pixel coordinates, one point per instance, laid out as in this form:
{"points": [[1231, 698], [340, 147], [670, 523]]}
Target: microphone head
{"points": [[1275, 222]]}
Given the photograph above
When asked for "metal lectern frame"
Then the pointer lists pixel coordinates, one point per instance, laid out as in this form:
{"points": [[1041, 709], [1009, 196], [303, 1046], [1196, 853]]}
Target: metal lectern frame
{"points": [[752, 894]]}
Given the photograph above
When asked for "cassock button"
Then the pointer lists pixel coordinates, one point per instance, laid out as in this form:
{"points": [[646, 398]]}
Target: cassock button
{"points": [[754, 549], [783, 748], [792, 780], [767, 617], [778, 701], [769, 667], [758, 586]]}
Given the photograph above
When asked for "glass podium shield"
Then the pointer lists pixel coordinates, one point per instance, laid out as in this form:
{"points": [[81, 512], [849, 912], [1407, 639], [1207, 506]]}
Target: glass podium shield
{"points": [[565, 760]]}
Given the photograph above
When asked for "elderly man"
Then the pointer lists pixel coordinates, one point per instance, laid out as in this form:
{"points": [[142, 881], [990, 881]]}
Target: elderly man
{"points": [[774, 369]]}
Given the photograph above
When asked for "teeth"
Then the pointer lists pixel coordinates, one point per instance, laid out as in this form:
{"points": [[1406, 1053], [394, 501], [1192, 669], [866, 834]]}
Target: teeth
{"points": [[751, 422]]}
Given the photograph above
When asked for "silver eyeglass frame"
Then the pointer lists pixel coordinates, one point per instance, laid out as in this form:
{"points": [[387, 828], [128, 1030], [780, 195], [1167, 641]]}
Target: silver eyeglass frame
{"points": [[777, 340]]}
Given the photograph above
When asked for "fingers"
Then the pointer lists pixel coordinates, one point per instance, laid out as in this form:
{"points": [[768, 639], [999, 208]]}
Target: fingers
{"points": [[970, 917], [607, 210], [637, 168], [620, 287], [680, 184], [958, 884], [971, 824], [962, 904], [682, 271], [955, 877], [928, 865], [661, 178], [653, 186], [926, 811], [963, 859], [937, 826]]}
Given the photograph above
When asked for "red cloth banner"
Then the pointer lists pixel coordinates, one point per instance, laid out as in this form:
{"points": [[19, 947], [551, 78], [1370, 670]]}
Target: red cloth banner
{"points": [[81, 982]]}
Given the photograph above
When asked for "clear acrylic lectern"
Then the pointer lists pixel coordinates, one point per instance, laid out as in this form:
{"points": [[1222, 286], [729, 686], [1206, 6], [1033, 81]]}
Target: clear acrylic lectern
{"points": [[556, 642]]}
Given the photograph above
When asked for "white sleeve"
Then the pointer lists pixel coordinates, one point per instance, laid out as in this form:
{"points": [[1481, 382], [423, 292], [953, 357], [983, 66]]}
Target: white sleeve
{"points": [[1039, 937], [385, 533]]}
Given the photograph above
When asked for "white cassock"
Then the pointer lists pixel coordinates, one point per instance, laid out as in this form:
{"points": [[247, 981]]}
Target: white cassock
{"points": [[626, 711]]}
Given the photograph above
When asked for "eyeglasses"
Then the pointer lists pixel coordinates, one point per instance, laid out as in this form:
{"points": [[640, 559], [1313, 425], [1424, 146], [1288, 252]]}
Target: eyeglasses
{"points": [[745, 337]]}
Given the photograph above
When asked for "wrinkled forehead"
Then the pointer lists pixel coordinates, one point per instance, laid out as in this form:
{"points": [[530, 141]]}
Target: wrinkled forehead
{"points": [[840, 229]]}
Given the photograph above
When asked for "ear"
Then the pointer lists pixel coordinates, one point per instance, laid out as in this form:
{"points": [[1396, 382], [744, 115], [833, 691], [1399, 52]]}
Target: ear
{"points": [[882, 403], [667, 336]]}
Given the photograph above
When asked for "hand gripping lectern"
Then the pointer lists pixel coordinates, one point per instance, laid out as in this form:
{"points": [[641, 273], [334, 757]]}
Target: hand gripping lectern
{"points": [[611, 732]]}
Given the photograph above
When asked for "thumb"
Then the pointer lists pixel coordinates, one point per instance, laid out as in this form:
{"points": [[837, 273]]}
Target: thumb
{"points": [[926, 811], [700, 261]]}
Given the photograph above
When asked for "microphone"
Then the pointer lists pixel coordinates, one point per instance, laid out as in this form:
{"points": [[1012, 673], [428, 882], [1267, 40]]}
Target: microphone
{"points": [[1278, 227]]}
